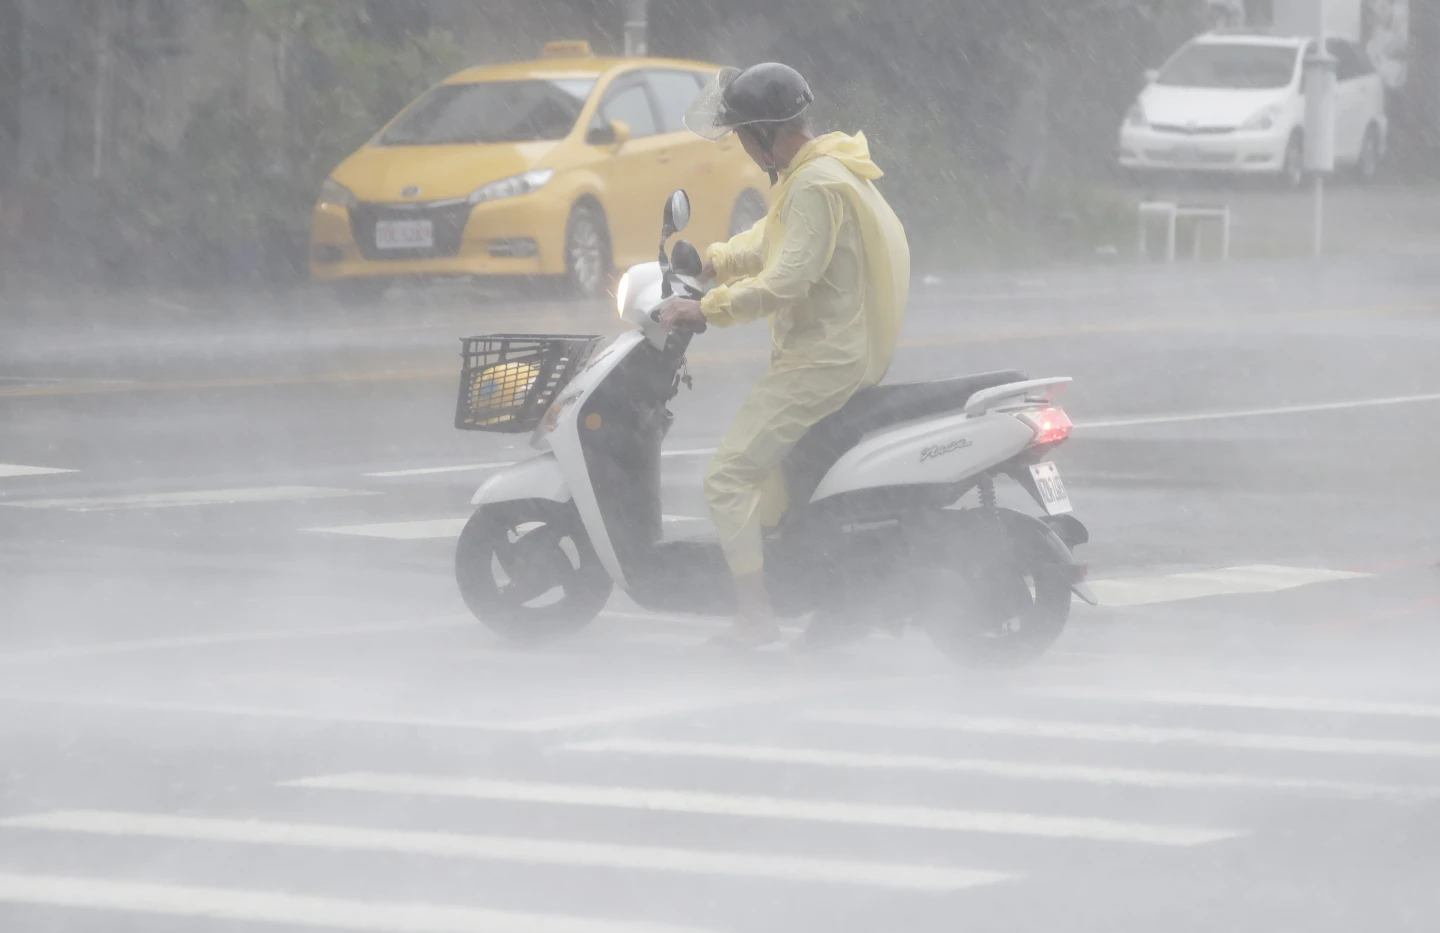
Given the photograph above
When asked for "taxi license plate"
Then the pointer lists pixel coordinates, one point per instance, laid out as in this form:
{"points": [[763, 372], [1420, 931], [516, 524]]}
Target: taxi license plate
{"points": [[405, 234], [1052, 491]]}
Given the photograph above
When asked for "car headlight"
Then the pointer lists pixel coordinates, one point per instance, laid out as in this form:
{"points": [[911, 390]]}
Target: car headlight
{"points": [[332, 192], [1263, 120], [511, 187], [622, 293], [1135, 116]]}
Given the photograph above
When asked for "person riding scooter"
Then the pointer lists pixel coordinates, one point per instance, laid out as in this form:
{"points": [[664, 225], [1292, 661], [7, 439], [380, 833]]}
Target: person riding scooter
{"points": [[829, 266]]}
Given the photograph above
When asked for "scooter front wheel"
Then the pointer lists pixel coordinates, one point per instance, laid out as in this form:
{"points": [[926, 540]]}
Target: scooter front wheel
{"points": [[527, 570]]}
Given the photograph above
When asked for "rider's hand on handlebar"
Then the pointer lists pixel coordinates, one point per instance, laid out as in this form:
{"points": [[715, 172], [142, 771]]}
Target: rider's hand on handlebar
{"points": [[707, 271], [679, 310]]}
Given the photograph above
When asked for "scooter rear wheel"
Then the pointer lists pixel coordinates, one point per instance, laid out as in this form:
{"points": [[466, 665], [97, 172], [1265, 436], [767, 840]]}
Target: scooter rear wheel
{"points": [[551, 582]]}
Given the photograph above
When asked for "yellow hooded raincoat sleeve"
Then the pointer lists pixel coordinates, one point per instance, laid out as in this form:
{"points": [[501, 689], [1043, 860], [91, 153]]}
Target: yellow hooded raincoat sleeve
{"points": [[829, 268]]}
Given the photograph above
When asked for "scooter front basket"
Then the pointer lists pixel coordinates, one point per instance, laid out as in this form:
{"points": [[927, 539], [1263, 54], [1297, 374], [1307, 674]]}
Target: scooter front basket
{"points": [[508, 381]]}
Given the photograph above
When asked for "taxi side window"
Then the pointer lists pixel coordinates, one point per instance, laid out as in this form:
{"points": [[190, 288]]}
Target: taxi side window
{"points": [[674, 92], [630, 104]]}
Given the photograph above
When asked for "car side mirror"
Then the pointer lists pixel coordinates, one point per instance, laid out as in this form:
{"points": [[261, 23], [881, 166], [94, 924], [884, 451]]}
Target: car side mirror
{"points": [[612, 135]]}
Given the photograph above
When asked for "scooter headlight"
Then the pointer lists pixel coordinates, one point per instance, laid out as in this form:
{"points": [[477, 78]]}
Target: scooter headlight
{"points": [[622, 293]]}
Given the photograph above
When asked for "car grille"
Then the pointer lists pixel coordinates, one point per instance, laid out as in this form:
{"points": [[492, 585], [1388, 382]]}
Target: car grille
{"points": [[1190, 158], [1191, 130], [449, 218]]}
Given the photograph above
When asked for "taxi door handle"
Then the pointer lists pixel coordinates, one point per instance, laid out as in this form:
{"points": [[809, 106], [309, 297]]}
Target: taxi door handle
{"points": [[664, 158]]}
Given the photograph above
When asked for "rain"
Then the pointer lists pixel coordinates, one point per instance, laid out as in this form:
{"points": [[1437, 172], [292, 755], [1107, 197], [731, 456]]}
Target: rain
{"points": [[684, 466]]}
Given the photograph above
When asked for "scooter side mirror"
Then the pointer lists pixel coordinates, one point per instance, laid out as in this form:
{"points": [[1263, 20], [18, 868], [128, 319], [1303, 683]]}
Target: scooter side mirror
{"points": [[677, 211], [685, 259]]}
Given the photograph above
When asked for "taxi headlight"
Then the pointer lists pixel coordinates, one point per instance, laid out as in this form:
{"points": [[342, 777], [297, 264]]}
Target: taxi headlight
{"points": [[511, 187]]}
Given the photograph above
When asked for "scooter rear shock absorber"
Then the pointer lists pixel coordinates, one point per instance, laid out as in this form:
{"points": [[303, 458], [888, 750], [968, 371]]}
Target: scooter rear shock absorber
{"points": [[987, 494]]}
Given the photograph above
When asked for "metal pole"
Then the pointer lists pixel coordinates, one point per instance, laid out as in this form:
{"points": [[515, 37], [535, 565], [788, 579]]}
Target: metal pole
{"points": [[636, 26], [101, 101]]}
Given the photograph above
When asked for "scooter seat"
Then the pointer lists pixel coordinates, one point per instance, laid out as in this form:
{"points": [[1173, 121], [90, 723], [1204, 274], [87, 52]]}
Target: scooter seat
{"points": [[870, 410]]}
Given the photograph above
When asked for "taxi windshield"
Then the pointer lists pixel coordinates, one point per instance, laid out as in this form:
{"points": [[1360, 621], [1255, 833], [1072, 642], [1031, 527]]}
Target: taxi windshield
{"points": [[491, 112]]}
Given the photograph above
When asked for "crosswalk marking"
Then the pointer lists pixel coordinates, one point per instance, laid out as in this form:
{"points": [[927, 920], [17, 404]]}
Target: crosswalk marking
{"points": [[990, 767], [20, 469], [1140, 735], [514, 849], [1259, 578], [1296, 704], [246, 906], [159, 500], [781, 808]]}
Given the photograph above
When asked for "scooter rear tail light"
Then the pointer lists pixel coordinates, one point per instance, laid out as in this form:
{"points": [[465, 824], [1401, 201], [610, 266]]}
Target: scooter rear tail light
{"points": [[1050, 424]]}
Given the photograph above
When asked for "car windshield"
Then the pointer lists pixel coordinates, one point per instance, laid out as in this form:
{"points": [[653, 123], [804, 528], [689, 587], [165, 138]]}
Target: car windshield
{"points": [[1237, 66], [492, 112]]}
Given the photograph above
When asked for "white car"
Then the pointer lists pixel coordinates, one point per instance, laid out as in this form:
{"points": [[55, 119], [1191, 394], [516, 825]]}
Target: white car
{"points": [[1235, 103]]}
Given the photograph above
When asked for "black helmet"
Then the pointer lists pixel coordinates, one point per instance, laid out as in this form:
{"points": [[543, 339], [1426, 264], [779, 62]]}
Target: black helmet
{"points": [[766, 93]]}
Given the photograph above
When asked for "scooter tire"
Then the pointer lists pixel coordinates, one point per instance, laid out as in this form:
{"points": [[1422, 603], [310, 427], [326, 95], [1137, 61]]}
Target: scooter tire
{"points": [[585, 587]]}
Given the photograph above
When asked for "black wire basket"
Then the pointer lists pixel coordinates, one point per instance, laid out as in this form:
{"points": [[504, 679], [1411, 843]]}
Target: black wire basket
{"points": [[508, 381]]}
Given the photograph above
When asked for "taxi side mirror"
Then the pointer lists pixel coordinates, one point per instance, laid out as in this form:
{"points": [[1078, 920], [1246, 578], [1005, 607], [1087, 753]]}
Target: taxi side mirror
{"points": [[612, 135]]}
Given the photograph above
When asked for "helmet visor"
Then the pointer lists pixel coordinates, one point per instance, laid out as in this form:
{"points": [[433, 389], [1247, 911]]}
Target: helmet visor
{"points": [[708, 117]]}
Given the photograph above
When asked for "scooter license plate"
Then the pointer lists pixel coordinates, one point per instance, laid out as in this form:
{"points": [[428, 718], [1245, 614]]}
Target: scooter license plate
{"points": [[1052, 490]]}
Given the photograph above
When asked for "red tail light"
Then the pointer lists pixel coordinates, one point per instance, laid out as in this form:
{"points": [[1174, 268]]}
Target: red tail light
{"points": [[1050, 424]]}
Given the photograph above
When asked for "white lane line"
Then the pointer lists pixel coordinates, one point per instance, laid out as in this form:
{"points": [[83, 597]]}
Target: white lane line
{"points": [[514, 849], [1259, 578], [247, 906], [499, 464], [779, 808], [1135, 735], [401, 531], [999, 768], [103, 649], [20, 469], [460, 468], [1296, 704], [1140, 421], [603, 716], [1259, 412], [193, 497], [430, 528]]}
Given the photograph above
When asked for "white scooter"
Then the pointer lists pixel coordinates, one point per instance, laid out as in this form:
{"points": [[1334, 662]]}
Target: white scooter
{"points": [[873, 535]]}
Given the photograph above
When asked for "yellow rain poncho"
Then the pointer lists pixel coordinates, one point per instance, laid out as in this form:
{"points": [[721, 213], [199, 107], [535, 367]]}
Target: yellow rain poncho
{"points": [[829, 266]]}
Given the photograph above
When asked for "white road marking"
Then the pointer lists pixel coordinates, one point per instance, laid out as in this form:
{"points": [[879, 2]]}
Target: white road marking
{"points": [[1144, 591], [1241, 701], [780, 808], [1135, 735], [246, 906], [460, 468], [20, 469], [514, 849], [500, 464], [1139, 421], [603, 716], [431, 528], [103, 649], [401, 531], [999, 768], [1258, 412], [193, 497]]}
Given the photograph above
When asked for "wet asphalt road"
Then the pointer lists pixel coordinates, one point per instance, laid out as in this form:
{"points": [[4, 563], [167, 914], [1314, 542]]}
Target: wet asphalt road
{"points": [[262, 702]]}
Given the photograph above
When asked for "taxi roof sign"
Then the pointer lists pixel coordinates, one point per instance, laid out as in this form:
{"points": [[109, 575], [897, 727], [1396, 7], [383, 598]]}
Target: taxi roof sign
{"points": [[567, 48]]}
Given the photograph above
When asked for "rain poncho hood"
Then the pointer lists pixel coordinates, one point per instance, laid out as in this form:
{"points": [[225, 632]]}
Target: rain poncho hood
{"points": [[829, 267]]}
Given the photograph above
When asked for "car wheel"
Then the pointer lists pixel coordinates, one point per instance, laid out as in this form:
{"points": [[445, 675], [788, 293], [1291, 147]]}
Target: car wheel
{"points": [[749, 210], [587, 252], [1368, 163], [1292, 171]]}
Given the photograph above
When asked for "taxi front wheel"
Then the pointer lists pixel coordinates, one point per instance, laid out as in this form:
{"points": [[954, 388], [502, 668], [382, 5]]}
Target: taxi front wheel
{"points": [[587, 251]]}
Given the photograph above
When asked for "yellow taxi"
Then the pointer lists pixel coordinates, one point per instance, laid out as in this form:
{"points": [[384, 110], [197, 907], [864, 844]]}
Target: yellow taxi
{"points": [[554, 167]]}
